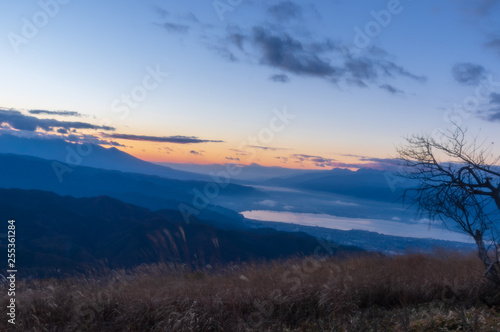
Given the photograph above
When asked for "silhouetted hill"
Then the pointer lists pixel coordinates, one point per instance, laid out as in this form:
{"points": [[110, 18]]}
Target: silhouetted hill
{"points": [[69, 234], [148, 191], [364, 183], [95, 156], [248, 173]]}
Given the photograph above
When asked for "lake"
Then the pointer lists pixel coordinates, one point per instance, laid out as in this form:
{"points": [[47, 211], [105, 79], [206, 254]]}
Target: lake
{"points": [[387, 227]]}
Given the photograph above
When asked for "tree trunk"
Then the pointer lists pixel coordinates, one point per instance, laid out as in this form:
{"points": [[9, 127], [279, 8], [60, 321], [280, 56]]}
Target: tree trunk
{"points": [[491, 270]]}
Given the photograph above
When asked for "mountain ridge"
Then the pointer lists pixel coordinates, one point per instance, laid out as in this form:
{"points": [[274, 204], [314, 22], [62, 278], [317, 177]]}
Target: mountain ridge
{"points": [[149, 191], [92, 155], [73, 234]]}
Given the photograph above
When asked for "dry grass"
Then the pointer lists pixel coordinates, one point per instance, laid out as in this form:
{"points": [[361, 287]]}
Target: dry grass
{"points": [[405, 293]]}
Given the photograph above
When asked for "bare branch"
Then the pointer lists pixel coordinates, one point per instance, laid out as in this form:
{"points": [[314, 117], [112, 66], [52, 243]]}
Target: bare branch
{"points": [[456, 180]]}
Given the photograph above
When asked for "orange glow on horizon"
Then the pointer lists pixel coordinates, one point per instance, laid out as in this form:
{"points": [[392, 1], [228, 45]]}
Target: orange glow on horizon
{"points": [[220, 153], [189, 154]]}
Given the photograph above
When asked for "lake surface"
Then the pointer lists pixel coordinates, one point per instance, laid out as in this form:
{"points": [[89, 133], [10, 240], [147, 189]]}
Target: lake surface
{"points": [[387, 227]]}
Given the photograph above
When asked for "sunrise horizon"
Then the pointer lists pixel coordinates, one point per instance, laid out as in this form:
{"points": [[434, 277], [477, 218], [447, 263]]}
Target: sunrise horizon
{"points": [[277, 84]]}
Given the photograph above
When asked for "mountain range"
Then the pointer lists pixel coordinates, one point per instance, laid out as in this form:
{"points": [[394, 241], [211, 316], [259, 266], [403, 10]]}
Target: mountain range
{"points": [[363, 183], [253, 173], [57, 235], [84, 206], [148, 191], [89, 155]]}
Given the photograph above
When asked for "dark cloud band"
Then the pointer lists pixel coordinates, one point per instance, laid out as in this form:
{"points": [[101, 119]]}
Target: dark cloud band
{"points": [[162, 139], [62, 113], [468, 73], [19, 121]]}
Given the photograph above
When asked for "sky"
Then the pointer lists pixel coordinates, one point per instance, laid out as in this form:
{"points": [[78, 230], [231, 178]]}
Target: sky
{"points": [[298, 84]]}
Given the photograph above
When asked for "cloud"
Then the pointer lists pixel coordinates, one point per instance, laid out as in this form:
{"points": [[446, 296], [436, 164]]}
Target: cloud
{"points": [[281, 78], [303, 157], [468, 73], [361, 68], [365, 162], [73, 138], [495, 98], [239, 152], [391, 89], [175, 27], [338, 202], [478, 8], [19, 121], [166, 149], [197, 153], [111, 143], [284, 160], [491, 111], [356, 82], [327, 59], [233, 159], [162, 139], [316, 160], [237, 39], [96, 140], [267, 202], [266, 148], [288, 54], [223, 52], [92, 139], [285, 11], [191, 18], [178, 23], [484, 7], [380, 163], [160, 11], [494, 44], [295, 51], [62, 113], [494, 115], [390, 69]]}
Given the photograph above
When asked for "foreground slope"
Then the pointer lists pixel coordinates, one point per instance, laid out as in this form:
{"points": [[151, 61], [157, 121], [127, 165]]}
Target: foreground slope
{"points": [[404, 293]]}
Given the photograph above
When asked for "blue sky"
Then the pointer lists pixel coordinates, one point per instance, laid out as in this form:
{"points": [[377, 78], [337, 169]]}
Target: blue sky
{"points": [[233, 64]]}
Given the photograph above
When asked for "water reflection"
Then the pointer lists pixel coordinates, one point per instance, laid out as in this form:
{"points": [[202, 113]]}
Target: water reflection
{"points": [[386, 227]]}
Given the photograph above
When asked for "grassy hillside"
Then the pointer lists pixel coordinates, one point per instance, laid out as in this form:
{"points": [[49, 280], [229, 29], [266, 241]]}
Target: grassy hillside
{"points": [[441, 292]]}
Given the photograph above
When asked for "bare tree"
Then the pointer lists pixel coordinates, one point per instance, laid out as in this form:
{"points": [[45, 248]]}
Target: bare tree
{"points": [[457, 180]]}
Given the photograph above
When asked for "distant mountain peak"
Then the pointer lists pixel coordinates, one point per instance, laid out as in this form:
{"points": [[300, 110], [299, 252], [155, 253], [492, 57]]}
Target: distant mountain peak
{"points": [[110, 158]]}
